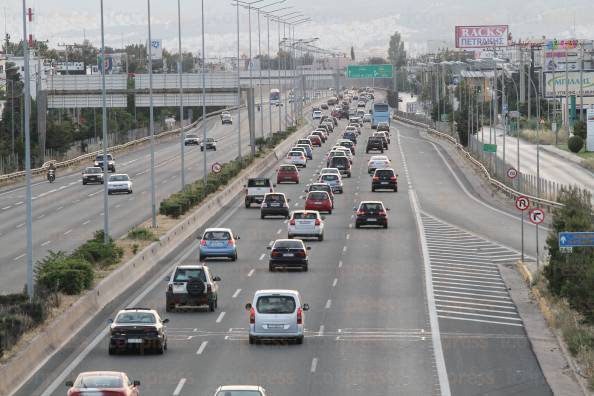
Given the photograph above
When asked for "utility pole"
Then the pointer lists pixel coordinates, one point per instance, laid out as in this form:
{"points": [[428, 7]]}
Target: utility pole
{"points": [[151, 120], [181, 97], [104, 134]]}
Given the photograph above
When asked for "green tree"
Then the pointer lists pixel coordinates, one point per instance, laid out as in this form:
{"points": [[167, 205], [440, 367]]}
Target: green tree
{"points": [[571, 276], [376, 60], [580, 129], [396, 51], [352, 53]]}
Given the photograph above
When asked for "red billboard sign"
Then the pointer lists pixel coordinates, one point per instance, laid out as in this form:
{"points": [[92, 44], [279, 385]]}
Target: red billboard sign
{"points": [[487, 36]]}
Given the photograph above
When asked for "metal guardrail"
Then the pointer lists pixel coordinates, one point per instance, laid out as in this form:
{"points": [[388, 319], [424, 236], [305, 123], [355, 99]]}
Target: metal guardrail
{"points": [[494, 182], [120, 147]]}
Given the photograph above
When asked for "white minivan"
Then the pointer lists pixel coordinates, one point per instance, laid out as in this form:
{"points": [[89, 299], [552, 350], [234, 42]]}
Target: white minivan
{"points": [[276, 314]]}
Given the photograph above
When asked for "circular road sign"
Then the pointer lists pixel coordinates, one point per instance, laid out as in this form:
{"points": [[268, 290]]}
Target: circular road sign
{"points": [[216, 167], [512, 173], [537, 215], [522, 203]]}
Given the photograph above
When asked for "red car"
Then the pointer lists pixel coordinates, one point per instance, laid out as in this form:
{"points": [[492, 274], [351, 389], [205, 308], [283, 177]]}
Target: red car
{"points": [[112, 383], [287, 173], [321, 134], [320, 201], [315, 140]]}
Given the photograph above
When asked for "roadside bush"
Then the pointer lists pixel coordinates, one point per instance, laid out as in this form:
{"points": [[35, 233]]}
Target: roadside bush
{"points": [[11, 329], [141, 234], [98, 253], [60, 273], [571, 276], [580, 128], [575, 144]]}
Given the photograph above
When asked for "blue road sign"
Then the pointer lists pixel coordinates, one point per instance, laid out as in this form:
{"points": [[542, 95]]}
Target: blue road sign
{"points": [[576, 239]]}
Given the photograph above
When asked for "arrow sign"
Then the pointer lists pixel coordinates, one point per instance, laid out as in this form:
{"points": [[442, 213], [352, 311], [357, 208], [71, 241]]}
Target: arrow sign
{"points": [[537, 216], [576, 239], [522, 203]]}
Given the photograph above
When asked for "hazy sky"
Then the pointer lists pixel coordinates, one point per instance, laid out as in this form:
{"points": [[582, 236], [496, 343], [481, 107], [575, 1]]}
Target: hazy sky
{"points": [[339, 24]]}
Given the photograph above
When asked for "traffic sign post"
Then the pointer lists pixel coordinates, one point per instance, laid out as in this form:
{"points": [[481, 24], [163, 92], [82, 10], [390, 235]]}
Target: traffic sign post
{"points": [[522, 204], [369, 71], [537, 216], [512, 173]]}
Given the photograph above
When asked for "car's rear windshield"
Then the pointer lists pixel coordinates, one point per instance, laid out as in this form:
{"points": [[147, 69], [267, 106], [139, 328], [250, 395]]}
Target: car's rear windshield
{"points": [[275, 198], [187, 274], [135, 317], [384, 172], [340, 160], [239, 393], [381, 107], [318, 195], [305, 216], [287, 168], [119, 178], [216, 235], [276, 305], [100, 157], [93, 170], [346, 144], [320, 187], [191, 137], [99, 381], [329, 176], [288, 245], [258, 183], [372, 207]]}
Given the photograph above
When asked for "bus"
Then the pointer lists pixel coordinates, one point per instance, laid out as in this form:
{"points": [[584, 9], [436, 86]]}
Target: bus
{"points": [[380, 113], [275, 97]]}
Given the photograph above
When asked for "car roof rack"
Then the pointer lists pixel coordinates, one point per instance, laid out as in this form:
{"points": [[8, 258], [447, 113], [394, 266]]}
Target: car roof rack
{"points": [[137, 309]]}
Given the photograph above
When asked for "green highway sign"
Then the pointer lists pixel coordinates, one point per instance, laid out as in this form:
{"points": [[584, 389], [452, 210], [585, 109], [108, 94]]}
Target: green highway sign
{"points": [[489, 148], [369, 71]]}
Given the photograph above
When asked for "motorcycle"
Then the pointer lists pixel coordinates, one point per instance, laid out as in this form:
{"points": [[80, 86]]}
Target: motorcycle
{"points": [[51, 175]]}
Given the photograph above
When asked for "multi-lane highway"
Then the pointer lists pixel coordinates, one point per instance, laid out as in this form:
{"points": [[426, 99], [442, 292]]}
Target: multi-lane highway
{"points": [[419, 308], [66, 213]]}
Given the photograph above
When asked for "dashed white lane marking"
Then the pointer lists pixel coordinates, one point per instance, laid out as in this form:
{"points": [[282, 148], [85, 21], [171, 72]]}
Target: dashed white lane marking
{"points": [[348, 236], [179, 387], [19, 257], [344, 249], [60, 208], [68, 232], [18, 203], [46, 243], [86, 222], [279, 231], [270, 243], [334, 282], [296, 204], [95, 193], [201, 348], [221, 316], [20, 225], [262, 256], [41, 216], [6, 207], [340, 264], [328, 304], [251, 272], [117, 206], [314, 365], [236, 293]]}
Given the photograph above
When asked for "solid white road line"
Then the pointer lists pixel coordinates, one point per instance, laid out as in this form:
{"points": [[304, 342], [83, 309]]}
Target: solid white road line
{"points": [[478, 309], [510, 306], [481, 315], [481, 321], [201, 348], [221, 316], [179, 387], [46, 243], [251, 272], [314, 365], [489, 297], [236, 293]]}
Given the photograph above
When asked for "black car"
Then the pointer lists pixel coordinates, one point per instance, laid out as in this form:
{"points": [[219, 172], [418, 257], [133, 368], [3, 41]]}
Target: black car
{"points": [[288, 253], [371, 213], [374, 144], [92, 174], [275, 204], [324, 106], [342, 164], [384, 179], [137, 328], [383, 140]]}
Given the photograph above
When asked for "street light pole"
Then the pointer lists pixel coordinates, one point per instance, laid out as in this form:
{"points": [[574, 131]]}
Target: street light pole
{"points": [[260, 79], [28, 199], [204, 168], [238, 89], [181, 97], [151, 120], [104, 132], [537, 161]]}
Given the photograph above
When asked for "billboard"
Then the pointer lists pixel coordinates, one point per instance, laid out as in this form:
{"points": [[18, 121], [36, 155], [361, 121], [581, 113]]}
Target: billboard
{"points": [[485, 36], [156, 49], [555, 84]]}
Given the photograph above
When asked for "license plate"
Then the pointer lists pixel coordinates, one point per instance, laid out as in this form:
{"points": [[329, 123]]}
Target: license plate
{"points": [[288, 255], [134, 341], [317, 203], [275, 205], [371, 219], [275, 326], [218, 244], [384, 182]]}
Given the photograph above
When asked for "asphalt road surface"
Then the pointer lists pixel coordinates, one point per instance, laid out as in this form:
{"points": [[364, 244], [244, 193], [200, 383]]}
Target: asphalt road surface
{"points": [[373, 297], [66, 213]]}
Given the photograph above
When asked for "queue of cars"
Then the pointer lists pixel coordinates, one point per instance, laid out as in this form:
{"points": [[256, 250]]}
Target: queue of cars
{"points": [[272, 313]]}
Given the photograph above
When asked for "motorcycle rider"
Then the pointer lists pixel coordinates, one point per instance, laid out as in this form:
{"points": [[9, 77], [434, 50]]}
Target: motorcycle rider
{"points": [[51, 169]]}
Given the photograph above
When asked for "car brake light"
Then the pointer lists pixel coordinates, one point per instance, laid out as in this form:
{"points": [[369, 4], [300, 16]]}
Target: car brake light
{"points": [[318, 222], [375, 178], [230, 242], [270, 189], [360, 212], [252, 316], [300, 253], [292, 222], [202, 242], [393, 178], [299, 315], [209, 288], [382, 213]]}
